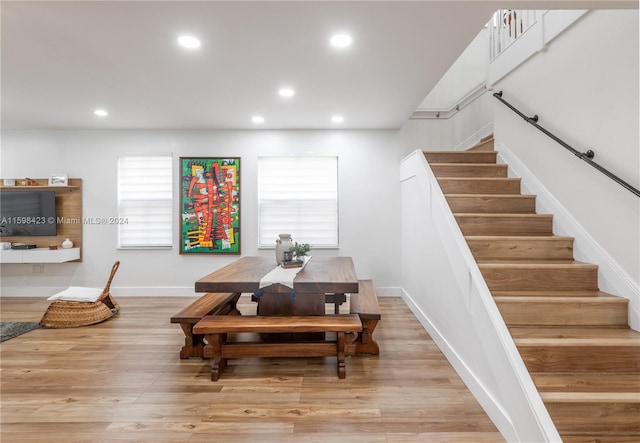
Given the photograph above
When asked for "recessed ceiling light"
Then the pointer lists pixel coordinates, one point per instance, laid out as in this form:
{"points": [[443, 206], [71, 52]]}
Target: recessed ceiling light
{"points": [[286, 92], [337, 119], [100, 112], [188, 42], [341, 40], [257, 119]]}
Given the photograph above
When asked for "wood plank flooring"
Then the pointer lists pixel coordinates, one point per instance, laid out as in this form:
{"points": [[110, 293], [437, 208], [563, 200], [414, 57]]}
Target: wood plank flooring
{"points": [[123, 380]]}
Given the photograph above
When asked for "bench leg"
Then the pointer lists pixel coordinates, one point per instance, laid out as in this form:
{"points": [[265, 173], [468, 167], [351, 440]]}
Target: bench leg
{"points": [[193, 344], [341, 343], [215, 343], [365, 343], [232, 305]]}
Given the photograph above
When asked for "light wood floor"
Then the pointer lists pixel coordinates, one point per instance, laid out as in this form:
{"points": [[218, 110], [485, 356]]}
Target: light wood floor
{"points": [[122, 380]]}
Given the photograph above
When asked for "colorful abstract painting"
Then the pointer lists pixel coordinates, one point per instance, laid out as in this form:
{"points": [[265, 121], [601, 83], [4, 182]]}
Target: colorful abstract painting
{"points": [[209, 205]]}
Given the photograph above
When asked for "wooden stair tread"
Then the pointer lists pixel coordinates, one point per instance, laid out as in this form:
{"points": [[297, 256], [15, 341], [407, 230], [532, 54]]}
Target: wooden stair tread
{"points": [[600, 382], [469, 170], [551, 293], [580, 334], [520, 247], [591, 397], [460, 156], [531, 196], [505, 224], [524, 263], [481, 203], [511, 275], [480, 179], [483, 215], [578, 342], [474, 165], [479, 185], [550, 238], [603, 299], [564, 311], [485, 146], [598, 437]]}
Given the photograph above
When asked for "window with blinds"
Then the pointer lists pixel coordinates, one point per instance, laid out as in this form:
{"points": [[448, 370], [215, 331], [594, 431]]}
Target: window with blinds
{"points": [[145, 202], [298, 196]]}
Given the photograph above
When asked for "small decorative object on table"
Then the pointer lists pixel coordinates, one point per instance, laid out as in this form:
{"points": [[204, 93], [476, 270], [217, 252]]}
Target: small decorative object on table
{"points": [[67, 244], [292, 264], [294, 257], [284, 243], [300, 249]]}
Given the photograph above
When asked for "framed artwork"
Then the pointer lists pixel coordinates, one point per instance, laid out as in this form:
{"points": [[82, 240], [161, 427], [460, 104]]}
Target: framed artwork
{"points": [[209, 205], [59, 180]]}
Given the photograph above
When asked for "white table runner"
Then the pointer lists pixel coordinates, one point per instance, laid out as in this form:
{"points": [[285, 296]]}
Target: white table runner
{"points": [[282, 276]]}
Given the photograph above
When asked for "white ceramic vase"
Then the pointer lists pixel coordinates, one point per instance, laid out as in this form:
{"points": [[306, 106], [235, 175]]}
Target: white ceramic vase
{"points": [[67, 244], [284, 243]]}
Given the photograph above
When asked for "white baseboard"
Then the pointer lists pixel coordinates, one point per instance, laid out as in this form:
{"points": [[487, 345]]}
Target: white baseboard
{"points": [[121, 291], [45, 292], [497, 415], [612, 277]]}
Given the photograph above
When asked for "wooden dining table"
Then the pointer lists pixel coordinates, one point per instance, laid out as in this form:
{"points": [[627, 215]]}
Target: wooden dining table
{"points": [[320, 276]]}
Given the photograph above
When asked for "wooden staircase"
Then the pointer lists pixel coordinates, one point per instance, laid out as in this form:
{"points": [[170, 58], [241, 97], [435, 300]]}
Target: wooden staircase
{"points": [[574, 339]]}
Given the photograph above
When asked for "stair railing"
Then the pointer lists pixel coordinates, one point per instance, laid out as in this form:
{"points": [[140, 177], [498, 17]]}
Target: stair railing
{"points": [[506, 26], [585, 156]]}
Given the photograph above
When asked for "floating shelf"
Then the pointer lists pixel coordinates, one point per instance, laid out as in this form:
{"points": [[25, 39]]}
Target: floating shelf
{"points": [[39, 255], [39, 187], [68, 207]]}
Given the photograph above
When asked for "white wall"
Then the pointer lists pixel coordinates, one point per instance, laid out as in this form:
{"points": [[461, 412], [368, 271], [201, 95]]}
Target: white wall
{"points": [[463, 77], [368, 198], [584, 88], [430, 134], [468, 71]]}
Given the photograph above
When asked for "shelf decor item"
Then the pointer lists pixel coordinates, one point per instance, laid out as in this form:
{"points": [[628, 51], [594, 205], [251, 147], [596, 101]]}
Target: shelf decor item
{"points": [[59, 180], [209, 205], [67, 244]]}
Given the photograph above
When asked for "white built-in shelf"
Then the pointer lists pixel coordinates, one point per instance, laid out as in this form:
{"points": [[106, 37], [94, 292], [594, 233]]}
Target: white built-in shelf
{"points": [[39, 255], [40, 187]]}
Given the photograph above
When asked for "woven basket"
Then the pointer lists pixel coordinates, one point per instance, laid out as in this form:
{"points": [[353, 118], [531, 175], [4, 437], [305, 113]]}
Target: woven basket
{"points": [[71, 314]]}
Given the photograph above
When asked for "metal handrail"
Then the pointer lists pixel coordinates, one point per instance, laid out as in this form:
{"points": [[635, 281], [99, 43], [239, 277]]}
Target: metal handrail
{"points": [[585, 156]]}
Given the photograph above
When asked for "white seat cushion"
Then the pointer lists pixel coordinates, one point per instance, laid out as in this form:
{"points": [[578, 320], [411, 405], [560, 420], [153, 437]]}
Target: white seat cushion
{"points": [[77, 293]]}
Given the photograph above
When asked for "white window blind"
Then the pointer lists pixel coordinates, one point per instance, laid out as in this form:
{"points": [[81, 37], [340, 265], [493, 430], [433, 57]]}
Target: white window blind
{"points": [[298, 196], [145, 202]]}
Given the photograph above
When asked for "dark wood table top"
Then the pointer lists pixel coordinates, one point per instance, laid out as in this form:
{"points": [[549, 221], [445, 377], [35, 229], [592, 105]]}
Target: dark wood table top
{"points": [[320, 275]]}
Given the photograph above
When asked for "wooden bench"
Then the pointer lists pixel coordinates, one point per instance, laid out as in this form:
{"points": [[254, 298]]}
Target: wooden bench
{"points": [[365, 304], [209, 304], [216, 328]]}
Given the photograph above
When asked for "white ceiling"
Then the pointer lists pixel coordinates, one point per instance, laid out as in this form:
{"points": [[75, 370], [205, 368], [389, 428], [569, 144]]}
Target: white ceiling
{"points": [[62, 60]]}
